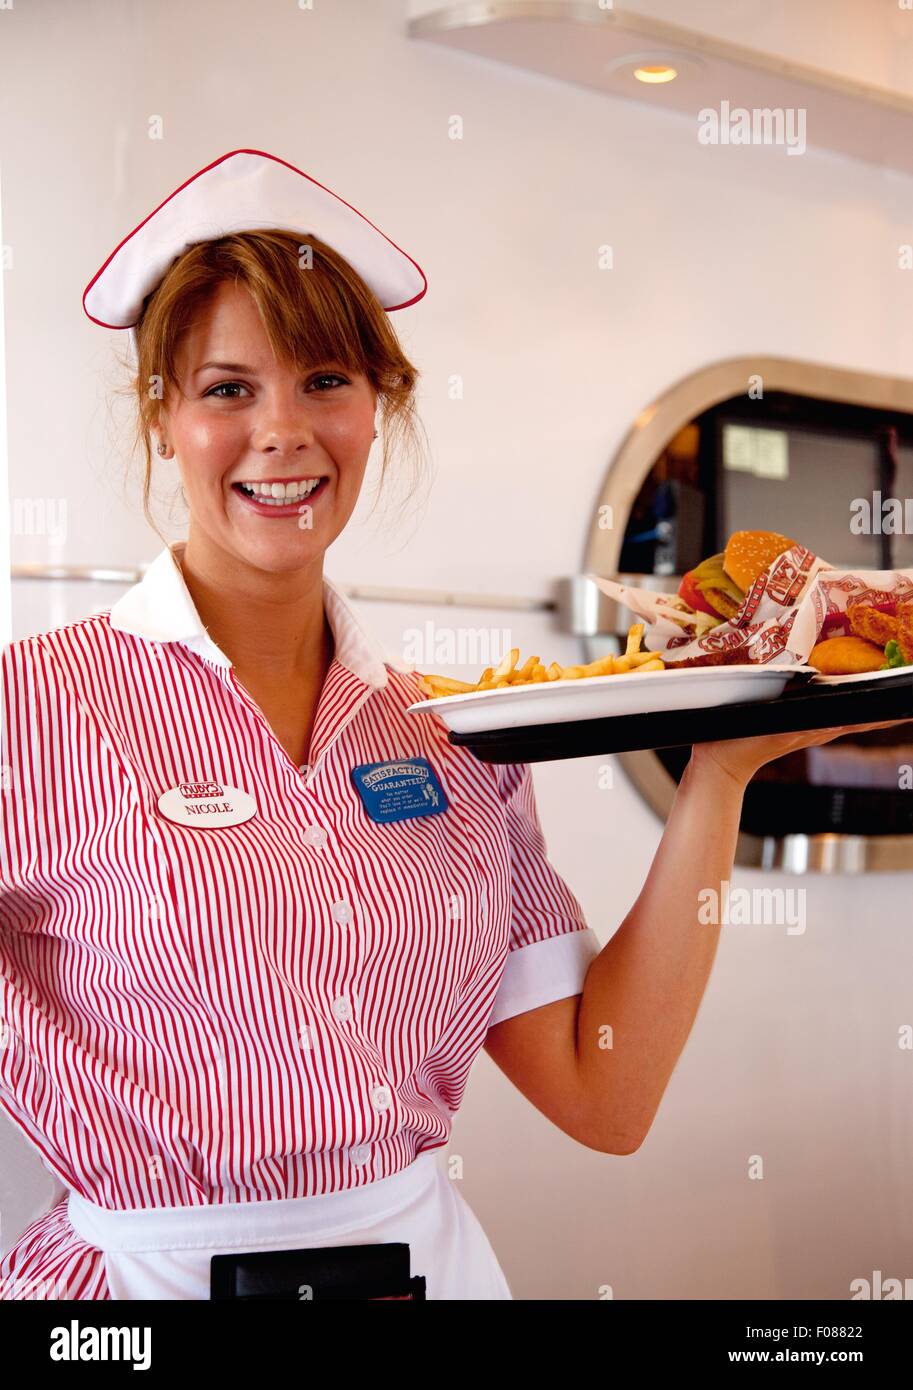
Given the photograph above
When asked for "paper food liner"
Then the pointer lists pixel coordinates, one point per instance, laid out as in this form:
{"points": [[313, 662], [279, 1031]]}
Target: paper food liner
{"points": [[781, 617]]}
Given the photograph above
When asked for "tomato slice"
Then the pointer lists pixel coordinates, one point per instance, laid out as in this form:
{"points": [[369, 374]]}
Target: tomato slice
{"points": [[692, 595]]}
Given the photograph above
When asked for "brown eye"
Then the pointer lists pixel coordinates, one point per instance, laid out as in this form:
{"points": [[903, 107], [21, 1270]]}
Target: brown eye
{"points": [[222, 386], [331, 376]]}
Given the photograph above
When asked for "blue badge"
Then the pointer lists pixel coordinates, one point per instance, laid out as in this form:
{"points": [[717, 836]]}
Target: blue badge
{"points": [[400, 789]]}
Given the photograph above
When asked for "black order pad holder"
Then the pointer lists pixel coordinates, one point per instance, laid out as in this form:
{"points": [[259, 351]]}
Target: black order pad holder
{"points": [[800, 706], [327, 1273]]}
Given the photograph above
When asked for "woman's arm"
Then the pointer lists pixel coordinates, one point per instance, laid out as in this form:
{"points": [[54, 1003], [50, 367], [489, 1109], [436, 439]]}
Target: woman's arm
{"points": [[647, 983]]}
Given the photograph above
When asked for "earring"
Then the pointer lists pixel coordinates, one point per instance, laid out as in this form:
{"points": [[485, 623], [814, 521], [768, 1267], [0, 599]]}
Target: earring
{"points": [[375, 434], [162, 449]]}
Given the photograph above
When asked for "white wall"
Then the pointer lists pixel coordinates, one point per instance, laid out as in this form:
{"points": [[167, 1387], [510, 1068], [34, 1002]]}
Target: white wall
{"points": [[718, 252]]}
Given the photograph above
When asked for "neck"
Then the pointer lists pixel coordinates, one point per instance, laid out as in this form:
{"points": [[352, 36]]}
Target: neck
{"points": [[271, 626]]}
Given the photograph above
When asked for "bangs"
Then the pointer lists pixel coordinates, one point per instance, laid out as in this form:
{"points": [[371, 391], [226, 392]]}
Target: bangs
{"points": [[312, 310]]}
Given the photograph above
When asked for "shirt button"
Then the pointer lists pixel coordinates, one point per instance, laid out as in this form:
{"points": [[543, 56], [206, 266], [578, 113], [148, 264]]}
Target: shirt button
{"points": [[316, 836], [342, 911], [342, 1007], [360, 1155], [381, 1098]]}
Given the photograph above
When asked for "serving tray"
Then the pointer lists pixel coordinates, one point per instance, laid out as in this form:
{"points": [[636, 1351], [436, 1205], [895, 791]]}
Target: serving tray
{"points": [[800, 706]]}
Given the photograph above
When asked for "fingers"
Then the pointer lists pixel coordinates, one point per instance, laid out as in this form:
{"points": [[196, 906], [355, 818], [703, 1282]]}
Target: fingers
{"points": [[885, 724], [835, 730]]}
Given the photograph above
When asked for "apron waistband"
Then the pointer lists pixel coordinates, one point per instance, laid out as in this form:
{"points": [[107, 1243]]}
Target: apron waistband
{"points": [[282, 1222]]}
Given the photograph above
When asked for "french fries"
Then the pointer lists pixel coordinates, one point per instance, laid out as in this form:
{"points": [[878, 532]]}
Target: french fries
{"points": [[508, 673]]}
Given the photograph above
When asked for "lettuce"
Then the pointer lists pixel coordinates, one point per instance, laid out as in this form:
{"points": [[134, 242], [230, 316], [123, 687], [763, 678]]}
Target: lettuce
{"points": [[709, 574], [894, 656]]}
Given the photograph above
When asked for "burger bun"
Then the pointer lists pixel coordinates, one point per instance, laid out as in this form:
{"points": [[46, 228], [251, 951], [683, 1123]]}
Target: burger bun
{"points": [[748, 553]]}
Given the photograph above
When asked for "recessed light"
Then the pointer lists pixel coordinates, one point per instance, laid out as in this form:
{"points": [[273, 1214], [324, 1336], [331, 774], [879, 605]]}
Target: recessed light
{"points": [[655, 66], [656, 72]]}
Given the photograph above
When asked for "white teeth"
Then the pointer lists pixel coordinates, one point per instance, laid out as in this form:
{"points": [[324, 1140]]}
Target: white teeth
{"points": [[281, 493]]}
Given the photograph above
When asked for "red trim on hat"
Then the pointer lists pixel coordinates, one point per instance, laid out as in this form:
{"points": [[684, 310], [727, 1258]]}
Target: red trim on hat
{"points": [[123, 326]]}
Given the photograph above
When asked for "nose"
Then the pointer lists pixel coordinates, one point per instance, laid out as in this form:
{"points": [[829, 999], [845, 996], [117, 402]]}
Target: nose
{"points": [[284, 426]]}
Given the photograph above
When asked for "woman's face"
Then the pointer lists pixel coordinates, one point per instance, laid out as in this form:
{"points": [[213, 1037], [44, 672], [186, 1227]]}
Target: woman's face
{"points": [[250, 420]]}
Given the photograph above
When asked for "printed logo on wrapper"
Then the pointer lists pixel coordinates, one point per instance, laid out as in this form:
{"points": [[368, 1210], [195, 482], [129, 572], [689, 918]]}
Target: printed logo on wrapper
{"points": [[206, 805], [839, 589]]}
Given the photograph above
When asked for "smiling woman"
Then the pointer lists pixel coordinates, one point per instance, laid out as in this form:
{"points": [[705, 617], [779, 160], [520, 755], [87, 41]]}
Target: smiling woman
{"points": [[314, 906], [314, 312], [286, 441]]}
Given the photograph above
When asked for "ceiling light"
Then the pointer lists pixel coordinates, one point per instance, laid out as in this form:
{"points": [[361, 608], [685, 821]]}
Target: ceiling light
{"points": [[655, 66], [657, 72]]}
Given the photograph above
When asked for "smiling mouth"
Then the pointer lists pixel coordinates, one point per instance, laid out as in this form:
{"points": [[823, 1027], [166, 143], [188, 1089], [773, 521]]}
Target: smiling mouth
{"points": [[280, 494], [292, 491]]}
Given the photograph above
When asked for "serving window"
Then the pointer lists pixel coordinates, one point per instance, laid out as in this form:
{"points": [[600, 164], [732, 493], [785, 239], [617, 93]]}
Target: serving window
{"points": [[830, 467]]}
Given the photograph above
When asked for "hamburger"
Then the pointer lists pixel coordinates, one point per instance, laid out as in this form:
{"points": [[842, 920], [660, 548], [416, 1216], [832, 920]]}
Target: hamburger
{"points": [[718, 585], [867, 637]]}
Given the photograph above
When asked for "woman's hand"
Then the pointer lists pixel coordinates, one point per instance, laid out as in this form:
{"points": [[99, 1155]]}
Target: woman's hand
{"points": [[741, 757]]}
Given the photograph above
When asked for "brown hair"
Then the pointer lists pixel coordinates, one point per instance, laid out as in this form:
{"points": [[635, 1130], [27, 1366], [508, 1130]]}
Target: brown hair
{"points": [[329, 313]]}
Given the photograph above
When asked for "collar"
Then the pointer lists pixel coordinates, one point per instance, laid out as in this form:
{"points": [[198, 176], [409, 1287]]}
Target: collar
{"points": [[160, 609]]}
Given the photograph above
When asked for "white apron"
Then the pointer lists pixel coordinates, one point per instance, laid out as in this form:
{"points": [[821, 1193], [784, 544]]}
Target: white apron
{"points": [[164, 1252]]}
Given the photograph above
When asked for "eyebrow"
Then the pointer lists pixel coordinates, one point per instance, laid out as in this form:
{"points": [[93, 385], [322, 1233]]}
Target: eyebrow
{"points": [[245, 370], [226, 367]]}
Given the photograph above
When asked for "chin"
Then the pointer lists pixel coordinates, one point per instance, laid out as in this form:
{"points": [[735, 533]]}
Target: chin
{"points": [[280, 554]]}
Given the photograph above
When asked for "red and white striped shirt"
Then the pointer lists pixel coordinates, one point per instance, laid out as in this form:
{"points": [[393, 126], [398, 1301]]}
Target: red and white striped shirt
{"points": [[279, 1008]]}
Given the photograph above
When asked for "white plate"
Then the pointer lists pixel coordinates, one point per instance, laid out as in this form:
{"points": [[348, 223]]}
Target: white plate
{"points": [[603, 697], [865, 676]]}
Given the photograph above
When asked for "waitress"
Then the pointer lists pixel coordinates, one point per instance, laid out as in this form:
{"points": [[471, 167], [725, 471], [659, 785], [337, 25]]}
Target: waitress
{"points": [[256, 921]]}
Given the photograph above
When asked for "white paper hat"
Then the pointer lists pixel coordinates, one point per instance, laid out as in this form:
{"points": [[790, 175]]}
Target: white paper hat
{"points": [[245, 190]]}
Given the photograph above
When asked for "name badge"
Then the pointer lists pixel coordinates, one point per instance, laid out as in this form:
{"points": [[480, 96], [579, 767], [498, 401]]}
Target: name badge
{"points": [[206, 805], [399, 790]]}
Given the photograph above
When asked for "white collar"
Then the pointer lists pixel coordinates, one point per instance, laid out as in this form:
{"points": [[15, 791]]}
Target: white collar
{"points": [[160, 609]]}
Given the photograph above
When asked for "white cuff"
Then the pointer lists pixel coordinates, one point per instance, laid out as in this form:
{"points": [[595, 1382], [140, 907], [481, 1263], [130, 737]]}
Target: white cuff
{"points": [[543, 972]]}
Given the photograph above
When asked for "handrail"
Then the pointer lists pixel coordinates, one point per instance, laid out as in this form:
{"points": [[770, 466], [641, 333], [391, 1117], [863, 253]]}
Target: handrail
{"points": [[371, 593]]}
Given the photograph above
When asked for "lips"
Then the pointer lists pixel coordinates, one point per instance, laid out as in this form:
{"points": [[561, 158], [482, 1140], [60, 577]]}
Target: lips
{"points": [[272, 507]]}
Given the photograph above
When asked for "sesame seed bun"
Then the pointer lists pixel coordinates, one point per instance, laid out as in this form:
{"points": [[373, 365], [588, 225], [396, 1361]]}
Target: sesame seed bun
{"points": [[748, 553]]}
